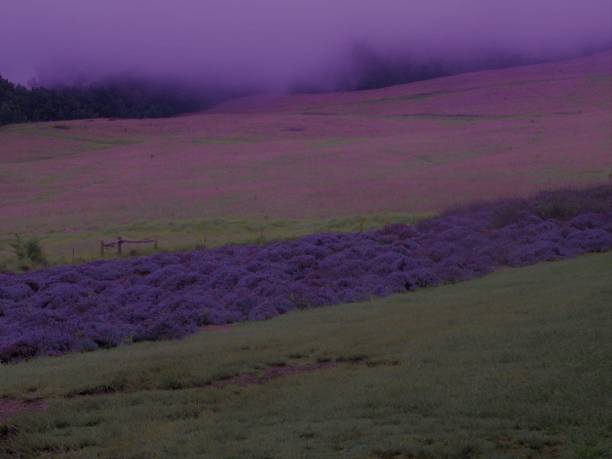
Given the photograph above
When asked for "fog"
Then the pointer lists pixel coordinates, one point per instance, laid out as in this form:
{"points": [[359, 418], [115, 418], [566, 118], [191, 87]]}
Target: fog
{"points": [[279, 45]]}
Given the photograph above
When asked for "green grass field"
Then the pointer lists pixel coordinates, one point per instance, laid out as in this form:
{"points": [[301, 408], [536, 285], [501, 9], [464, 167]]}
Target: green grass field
{"points": [[277, 167], [67, 246], [514, 365], [517, 364]]}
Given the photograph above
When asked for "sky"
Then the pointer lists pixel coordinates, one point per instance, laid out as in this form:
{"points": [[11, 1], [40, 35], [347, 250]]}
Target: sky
{"points": [[271, 44]]}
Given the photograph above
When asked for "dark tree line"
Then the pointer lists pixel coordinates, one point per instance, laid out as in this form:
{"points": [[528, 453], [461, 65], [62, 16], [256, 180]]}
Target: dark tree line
{"points": [[367, 68], [122, 99], [134, 98], [371, 70]]}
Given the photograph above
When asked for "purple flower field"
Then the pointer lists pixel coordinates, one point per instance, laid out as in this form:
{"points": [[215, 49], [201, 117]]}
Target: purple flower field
{"points": [[107, 303]]}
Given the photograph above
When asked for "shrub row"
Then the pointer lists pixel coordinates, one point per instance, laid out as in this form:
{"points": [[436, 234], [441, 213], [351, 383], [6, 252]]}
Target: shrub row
{"points": [[166, 296]]}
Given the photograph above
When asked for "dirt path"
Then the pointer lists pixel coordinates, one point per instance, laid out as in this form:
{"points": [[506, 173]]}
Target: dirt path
{"points": [[252, 378], [10, 407], [223, 328]]}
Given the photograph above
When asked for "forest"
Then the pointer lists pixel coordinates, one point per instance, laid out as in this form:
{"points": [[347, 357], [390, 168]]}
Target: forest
{"points": [[112, 99]]}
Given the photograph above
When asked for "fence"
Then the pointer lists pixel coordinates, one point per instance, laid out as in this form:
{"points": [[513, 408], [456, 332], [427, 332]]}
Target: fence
{"points": [[120, 242]]}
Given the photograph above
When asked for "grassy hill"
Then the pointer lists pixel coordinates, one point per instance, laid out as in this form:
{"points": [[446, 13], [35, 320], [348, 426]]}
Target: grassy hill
{"points": [[514, 365], [268, 167]]}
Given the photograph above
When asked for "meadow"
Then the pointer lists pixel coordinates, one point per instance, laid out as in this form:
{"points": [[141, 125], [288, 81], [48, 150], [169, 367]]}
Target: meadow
{"points": [[373, 274], [273, 167], [512, 365]]}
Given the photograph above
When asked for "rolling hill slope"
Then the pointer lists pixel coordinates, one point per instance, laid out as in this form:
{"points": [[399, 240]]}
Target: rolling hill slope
{"points": [[515, 365], [408, 149]]}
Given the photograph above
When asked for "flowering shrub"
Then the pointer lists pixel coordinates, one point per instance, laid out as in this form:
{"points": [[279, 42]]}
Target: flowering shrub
{"points": [[166, 296]]}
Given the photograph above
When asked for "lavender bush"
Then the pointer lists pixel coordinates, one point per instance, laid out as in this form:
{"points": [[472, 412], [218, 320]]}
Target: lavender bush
{"points": [[106, 303]]}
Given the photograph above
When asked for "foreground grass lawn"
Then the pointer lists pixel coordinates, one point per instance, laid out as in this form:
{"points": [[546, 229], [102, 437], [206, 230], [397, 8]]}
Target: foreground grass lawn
{"points": [[517, 364]]}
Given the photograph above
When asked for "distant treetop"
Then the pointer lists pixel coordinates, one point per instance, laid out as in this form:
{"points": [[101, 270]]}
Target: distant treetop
{"points": [[121, 99]]}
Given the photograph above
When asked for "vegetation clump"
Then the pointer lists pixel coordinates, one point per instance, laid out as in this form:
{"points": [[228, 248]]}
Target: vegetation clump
{"points": [[29, 251]]}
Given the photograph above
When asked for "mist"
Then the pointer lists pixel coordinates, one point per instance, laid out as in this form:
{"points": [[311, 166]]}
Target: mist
{"points": [[285, 45]]}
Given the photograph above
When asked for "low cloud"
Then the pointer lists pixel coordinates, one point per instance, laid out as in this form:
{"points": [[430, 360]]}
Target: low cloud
{"points": [[280, 45]]}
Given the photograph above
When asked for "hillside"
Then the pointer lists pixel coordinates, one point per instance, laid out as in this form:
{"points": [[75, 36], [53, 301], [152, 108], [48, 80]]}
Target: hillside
{"points": [[409, 149], [478, 330], [514, 365]]}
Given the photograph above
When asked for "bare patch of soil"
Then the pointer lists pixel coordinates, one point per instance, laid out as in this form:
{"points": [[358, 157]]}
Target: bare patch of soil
{"points": [[223, 328], [252, 378], [10, 407]]}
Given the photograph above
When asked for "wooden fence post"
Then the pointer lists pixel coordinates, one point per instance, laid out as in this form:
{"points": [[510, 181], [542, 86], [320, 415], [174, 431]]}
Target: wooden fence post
{"points": [[119, 243]]}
